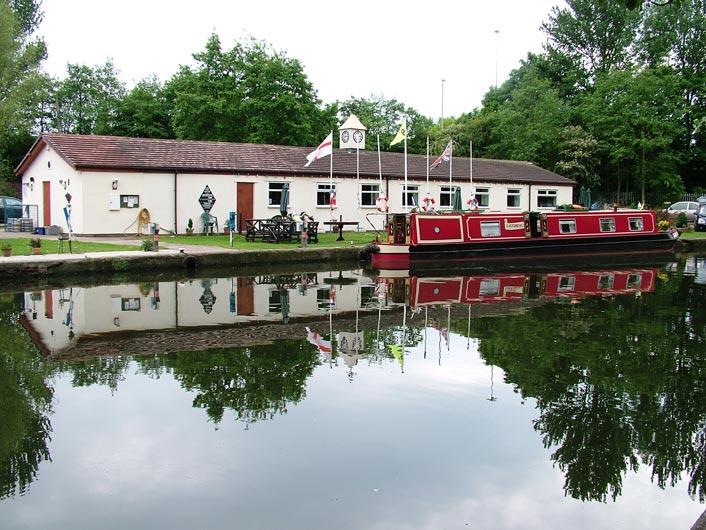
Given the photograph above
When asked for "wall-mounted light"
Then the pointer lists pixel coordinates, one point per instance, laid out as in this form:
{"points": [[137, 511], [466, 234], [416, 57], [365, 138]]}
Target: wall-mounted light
{"points": [[63, 183], [30, 184], [115, 184]]}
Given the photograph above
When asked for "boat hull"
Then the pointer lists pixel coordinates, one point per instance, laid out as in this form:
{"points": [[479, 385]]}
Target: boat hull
{"points": [[543, 245]]}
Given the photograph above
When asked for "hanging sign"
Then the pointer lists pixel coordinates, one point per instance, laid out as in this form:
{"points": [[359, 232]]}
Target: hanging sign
{"points": [[207, 200]]}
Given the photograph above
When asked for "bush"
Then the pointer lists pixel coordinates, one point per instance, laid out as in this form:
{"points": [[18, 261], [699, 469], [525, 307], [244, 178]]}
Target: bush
{"points": [[681, 220]]}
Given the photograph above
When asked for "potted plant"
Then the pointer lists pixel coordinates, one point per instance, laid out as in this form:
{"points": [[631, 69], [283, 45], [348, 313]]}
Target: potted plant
{"points": [[36, 245], [6, 249], [190, 227]]}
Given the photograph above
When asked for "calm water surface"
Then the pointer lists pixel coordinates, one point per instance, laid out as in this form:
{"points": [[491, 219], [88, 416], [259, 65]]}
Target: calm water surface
{"points": [[489, 400]]}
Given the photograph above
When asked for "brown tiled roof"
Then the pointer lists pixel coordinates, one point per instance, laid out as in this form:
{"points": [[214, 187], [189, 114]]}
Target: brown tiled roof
{"points": [[111, 153]]}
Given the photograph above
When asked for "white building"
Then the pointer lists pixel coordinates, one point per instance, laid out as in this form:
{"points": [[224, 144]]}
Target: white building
{"points": [[116, 185]]}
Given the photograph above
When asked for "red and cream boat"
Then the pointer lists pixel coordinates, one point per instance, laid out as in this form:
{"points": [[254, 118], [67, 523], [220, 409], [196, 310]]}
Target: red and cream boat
{"points": [[418, 291], [418, 238]]}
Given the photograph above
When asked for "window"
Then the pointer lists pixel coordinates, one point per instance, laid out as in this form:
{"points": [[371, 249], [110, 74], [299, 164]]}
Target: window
{"points": [[635, 223], [325, 299], [411, 196], [275, 193], [567, 226], [483, 197], [608, 224], [546, 198], [490, 228], [513, 198], [606, 281], [323, 194], [635, 280], [489, 287], [446, 197], [129, 201], [275, 301], [567, 283], [369, 195]]}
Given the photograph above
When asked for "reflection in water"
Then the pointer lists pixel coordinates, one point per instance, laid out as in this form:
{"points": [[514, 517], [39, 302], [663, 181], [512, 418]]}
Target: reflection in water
{"points": [[613, 359]]}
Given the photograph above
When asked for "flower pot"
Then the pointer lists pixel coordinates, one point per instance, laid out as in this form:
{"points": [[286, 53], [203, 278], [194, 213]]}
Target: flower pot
{"points": [[36, 250], [7, 252]]}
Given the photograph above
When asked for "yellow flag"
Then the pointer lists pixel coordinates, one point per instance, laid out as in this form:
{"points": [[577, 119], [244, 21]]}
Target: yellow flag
{"points": [[401, 134]]}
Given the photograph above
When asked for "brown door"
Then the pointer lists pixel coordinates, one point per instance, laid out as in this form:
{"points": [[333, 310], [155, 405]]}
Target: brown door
{"points": [[46, 198], [245, 191]]}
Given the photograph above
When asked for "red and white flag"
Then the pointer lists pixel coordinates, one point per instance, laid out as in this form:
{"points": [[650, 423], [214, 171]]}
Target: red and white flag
{"points": [[325, 149], [443, 157], [317, 340]]}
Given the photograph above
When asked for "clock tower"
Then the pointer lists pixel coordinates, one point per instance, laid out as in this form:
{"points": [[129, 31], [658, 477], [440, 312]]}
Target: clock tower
{"points": [[352, 134]]}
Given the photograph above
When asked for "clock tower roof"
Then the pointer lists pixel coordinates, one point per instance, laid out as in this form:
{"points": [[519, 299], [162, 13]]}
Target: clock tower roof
{"points": [[352, 123]]}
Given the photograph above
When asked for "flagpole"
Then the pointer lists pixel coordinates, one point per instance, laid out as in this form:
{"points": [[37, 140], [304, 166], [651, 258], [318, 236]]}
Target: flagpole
{"points": [[357, 174], [471, 163], [406, 198], [427, 166], [330, 181], [451, 163]]}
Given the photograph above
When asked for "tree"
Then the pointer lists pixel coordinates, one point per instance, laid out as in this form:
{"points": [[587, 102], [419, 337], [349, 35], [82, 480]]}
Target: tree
{"points": [[144, 112], [88, 98], [595, 36], [247, 94], [20, 59], [578, 156]]}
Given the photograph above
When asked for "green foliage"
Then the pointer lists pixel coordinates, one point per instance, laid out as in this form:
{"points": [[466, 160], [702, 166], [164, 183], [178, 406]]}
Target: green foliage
{"points": [[247, 94], [681, 220]]}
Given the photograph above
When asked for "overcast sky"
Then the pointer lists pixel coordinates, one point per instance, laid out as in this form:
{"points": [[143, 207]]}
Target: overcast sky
{"points": [[398, 49]]}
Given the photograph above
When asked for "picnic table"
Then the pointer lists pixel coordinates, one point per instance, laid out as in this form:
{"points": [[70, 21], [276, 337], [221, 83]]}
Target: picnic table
{"points": [[340, 224], [278, 229]]}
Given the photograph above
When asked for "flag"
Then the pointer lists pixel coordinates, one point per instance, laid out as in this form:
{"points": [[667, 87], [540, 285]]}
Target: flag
{"points": [[317, 340], [401, 134], [443, 157], [324, 149]]}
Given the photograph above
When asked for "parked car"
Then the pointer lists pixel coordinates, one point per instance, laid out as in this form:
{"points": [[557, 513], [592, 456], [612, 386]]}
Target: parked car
{"points": [[701, 200], [688, 207], [700, 223], [9, 207]]}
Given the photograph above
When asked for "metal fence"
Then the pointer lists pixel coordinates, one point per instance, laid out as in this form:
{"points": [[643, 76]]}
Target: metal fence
{"points": [[652, 200]]}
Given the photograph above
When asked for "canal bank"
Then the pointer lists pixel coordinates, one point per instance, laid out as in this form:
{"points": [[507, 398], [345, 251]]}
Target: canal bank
{"points": [[190, 259]]}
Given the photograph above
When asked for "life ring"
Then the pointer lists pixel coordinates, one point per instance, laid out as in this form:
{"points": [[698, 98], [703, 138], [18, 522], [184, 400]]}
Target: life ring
{"points": [[383, 204], [472, 203], [428, 204], [144, 216], [332, 200]]}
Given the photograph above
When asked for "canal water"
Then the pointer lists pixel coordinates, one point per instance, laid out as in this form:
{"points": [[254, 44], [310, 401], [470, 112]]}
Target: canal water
{"points": [[537, 398]]}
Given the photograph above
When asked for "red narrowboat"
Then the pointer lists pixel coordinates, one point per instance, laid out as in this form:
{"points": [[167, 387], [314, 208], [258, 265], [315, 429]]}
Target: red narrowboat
{"points": [[512, 287], [418, 238]]}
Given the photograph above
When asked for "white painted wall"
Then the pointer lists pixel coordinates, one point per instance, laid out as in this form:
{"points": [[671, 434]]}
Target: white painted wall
{"points": [[158, 192]]}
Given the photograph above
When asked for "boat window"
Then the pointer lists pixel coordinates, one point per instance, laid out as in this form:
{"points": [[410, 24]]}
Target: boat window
{"points": [[635, 223], [606, 281], [608, 224], [635, 280], [567, 226], [490, 228], [567, 283], [489, 287]]}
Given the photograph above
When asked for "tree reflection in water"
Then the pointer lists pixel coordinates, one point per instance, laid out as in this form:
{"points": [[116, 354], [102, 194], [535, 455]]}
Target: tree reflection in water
{"points": [[25, 404], [619, 382]]}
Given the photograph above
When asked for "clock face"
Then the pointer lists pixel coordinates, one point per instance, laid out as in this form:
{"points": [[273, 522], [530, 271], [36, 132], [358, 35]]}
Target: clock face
{"points": [[358, 137], [345, 136]]}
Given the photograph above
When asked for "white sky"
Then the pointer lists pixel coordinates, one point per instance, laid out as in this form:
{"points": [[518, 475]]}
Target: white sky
{"points": [[398, 49]]}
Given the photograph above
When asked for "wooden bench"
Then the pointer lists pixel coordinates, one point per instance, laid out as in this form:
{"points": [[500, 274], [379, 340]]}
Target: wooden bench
{"points": [[270, 230]]}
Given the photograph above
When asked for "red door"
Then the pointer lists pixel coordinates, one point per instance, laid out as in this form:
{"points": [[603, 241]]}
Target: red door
{"points": [[245, 192], [46, 198]]}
